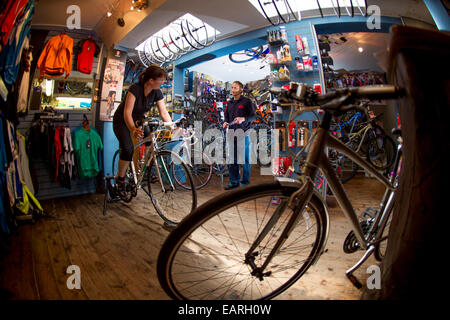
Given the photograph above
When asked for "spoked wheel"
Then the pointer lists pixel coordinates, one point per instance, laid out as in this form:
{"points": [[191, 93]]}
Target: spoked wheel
{"points": [[346, 169], [171, 201], [263, 147], [205, 256], [380, 150]]}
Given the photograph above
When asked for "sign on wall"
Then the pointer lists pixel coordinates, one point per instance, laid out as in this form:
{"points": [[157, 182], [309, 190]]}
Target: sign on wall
{"points": [[112, 84]]}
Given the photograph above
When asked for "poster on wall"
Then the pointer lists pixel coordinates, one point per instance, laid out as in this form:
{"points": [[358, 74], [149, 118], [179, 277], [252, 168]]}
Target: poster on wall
{"points": [[111, 95]]}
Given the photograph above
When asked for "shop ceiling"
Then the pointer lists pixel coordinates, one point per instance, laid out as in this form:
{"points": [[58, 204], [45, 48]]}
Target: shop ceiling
{"points": [[230, 17]]}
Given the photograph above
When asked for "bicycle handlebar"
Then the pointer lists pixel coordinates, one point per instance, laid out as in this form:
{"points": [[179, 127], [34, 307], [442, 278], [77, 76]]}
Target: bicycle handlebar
{"points": [[335, 100], [157, 123]]}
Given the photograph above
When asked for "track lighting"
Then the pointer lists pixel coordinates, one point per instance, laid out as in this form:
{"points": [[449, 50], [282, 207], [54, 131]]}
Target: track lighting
{"points": [[139, 4]]}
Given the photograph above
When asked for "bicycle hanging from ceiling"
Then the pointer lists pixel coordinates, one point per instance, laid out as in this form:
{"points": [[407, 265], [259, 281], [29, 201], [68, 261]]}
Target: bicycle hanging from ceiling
{"points": [[181, 36], [286, 9]]}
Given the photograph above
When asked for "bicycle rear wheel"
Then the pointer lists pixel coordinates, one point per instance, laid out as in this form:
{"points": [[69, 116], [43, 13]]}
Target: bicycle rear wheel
{"points": [[171, 201], [201, 169], [204, 257], [381, 150], [263, 147]]}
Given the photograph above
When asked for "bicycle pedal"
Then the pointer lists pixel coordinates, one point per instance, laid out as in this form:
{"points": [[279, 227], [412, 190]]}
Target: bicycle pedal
{"points": [[369, 213], [354, 281]]}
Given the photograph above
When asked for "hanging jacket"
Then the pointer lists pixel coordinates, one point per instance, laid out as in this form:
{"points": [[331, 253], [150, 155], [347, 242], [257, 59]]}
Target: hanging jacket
{"points": [[11, 54], [86, 49], [8, 18], [56, 58]]}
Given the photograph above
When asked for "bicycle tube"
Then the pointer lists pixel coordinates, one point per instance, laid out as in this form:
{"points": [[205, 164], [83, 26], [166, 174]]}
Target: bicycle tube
{"points": [[116, 155]]}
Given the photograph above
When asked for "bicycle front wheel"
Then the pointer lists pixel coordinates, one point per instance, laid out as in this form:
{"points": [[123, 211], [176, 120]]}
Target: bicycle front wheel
{"points": [[201, 169], [171, 201], [205, 256]]}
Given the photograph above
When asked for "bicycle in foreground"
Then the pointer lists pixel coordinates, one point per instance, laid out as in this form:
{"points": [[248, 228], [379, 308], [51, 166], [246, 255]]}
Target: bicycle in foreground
{"points": [[257, 241], [155, 175]]}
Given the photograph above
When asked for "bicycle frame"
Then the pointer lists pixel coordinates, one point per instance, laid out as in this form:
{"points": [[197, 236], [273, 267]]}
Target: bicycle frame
{"points": [[148, 157], [318, 160]]}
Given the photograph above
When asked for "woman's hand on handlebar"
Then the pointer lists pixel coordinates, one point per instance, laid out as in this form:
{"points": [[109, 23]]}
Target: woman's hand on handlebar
{"points": [[137, 133]]}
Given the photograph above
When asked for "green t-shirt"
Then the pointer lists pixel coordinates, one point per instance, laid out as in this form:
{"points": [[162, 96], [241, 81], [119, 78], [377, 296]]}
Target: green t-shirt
{"points": [[86, 144]]}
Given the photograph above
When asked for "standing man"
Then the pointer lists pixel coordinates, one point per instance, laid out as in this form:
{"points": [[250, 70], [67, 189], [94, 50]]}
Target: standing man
{"points": [[237, 115]]}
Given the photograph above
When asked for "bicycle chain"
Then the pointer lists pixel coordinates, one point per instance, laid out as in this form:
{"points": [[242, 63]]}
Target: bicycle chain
{"points": [[351, 243]]}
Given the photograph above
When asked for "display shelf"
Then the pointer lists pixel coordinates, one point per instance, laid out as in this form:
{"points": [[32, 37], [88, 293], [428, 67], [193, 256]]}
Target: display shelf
{"points": [[67, 95], [277, 43]]}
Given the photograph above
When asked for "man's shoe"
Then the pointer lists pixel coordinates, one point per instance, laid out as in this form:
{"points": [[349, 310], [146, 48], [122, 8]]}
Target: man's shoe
{"points": [[231, 186]]}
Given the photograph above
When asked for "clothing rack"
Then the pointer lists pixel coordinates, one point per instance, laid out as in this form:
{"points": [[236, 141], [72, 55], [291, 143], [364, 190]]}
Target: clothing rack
{"points": [[63, 117]]}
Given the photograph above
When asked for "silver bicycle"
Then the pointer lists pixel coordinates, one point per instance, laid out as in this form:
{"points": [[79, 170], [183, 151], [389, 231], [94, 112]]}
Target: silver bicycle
{"points": [[155, 174], [255, 242]]}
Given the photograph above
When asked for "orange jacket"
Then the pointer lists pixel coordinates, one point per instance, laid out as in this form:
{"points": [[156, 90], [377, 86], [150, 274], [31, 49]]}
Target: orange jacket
{"points": [[56, 57]]}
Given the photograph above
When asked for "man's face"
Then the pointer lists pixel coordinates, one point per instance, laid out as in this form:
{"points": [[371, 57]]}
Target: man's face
{"points": [[235, 89]]}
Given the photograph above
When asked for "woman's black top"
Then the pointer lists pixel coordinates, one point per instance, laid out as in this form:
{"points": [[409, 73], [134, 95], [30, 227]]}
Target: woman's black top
{"points": [[141, 105]]}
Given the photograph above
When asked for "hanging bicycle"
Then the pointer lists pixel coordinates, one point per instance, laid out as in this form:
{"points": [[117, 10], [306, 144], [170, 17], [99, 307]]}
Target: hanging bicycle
{"points": [[181, 36], [248, 54]]}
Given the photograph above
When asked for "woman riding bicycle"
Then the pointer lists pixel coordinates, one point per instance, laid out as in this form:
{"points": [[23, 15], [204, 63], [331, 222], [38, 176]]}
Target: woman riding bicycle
{"points": [[137, 102]]}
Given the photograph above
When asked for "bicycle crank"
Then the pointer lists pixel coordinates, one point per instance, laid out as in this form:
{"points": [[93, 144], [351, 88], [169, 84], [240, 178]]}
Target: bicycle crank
{"points": [[351, 243]]}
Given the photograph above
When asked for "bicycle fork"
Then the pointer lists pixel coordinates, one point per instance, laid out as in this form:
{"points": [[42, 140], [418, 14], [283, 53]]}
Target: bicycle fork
{"points": [[298, 208], [166, 172]]}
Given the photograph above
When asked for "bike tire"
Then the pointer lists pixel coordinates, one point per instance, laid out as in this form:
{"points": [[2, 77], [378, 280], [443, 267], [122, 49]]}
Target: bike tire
{"points": [[267, 17], [381, 151], [201, 172], [173, 204], [201, 230], [346, 169], [233, 56], [266, 145]]}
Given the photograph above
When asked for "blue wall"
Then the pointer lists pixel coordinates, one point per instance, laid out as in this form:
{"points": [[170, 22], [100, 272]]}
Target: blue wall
{"points": [[259, 37]]}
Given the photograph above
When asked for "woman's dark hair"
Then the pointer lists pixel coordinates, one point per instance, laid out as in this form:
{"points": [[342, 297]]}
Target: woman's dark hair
{"points": [[152, 72]]}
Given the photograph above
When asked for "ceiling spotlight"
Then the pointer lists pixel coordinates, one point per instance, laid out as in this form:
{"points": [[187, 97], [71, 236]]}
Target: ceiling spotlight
{"points": [[360, 49], [108, 13], [139, 4]]}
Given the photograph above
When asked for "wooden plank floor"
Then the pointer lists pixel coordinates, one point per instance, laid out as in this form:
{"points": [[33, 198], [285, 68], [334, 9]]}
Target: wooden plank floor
{"points": [[117, 253]]}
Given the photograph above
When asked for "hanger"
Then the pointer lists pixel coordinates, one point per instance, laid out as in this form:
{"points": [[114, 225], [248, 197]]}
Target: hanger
{"points": [[85, 123]]}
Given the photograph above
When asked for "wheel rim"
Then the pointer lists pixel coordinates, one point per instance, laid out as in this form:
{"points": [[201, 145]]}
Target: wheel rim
{"points": [[175, 202], [210, 263]]}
